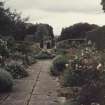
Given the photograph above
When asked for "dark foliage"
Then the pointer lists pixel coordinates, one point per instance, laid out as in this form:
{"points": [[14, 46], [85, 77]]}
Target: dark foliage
{"points": [[76, 31], [81, 77], [44, 55], [59, 64], [16, 70], [92, 92], [11, 23], [103, 4], [6, 81], [97, 37]]}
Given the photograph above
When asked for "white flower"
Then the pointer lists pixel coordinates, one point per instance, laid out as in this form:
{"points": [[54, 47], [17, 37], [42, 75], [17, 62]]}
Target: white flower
{"points": [[82, 54], [1, 57], [99, 66], [76, 57], [66, 65]]}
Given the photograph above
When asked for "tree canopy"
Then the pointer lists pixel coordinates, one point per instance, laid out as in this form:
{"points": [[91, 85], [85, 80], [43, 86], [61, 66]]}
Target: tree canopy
{"points": [[11, 23], [103, 4], [76, 31]]}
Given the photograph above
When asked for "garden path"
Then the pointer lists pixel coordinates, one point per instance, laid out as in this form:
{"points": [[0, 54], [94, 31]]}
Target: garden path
{"points": [[37, 89]]}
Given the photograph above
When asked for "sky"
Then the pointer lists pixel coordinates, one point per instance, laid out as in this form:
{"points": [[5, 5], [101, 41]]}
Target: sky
{"points": [[60, 13]]}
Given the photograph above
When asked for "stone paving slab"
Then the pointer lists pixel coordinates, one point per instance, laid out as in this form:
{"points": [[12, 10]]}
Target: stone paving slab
{"points": [[46, 85], [3, 96], [26, 86], [45, 92], [43, 100]]}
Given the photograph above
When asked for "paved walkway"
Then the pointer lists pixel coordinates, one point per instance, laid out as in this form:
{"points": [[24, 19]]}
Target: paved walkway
{"points": [[38, 89]]}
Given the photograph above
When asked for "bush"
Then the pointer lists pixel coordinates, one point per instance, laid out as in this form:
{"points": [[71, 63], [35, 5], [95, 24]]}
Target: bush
{"points": [[6, 81], [23, 47], [16, 70], [61, 51], [4, 51], [59, 64], [82, 69], [28, 60], [73, 78], [92, 92], [86, 71], [44, 55], [53, 71]]}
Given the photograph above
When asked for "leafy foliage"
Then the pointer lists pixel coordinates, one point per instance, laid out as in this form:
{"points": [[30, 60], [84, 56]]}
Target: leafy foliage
{"points": [[86, 70], [83, 68], [59, 64], [76, 31], [44, 55], [16, 70], [6, 81], [97, 37], [103, 4], [11, 23], [4, 51], [92, 92]]}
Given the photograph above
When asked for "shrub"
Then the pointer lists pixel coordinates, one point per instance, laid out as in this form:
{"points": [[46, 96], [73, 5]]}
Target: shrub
{"points": [[16, 70], [10, 43], [23, 47], [28, 60], [44, 55], [61, 51], [59, 64], [53, 71], [81, 77], [73, 78], [6, 81], [86, 70], [4, 51], [92, 92]]}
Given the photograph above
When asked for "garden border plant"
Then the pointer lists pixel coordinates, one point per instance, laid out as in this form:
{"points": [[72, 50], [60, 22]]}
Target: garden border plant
{"points": [[16, 70], [58, 65], [6, 81]]}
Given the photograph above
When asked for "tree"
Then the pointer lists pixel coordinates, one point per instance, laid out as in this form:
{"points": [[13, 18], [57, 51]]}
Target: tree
{"points": [[11, 23], [103, 4], [76, 31]]}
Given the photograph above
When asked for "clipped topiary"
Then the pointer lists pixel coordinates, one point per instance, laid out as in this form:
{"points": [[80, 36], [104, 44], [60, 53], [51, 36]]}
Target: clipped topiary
{"points": [[16, 70], [6, 81], [59, 64]]}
